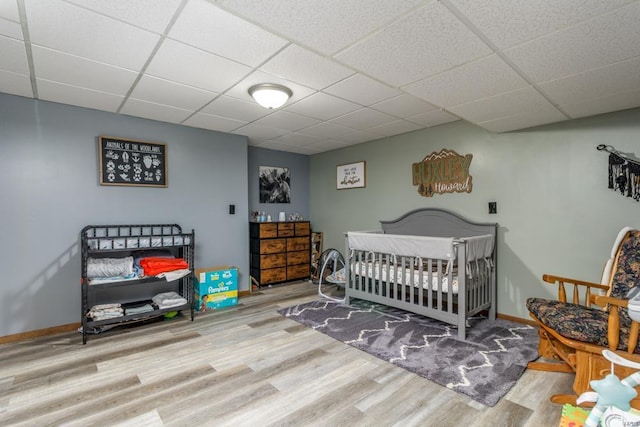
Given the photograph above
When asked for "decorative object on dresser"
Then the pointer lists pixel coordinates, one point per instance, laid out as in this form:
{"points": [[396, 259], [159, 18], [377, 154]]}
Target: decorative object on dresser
{"points": [[132, 273], [280, 251]]}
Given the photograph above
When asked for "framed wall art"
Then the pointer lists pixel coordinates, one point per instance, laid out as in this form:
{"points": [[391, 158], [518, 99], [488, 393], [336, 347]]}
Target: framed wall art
{"points": [[132, 162], [351, 175], [275, 185]]}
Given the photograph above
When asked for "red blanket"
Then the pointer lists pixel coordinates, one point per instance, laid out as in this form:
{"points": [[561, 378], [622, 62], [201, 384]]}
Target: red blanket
{"points": [[154, 266]]}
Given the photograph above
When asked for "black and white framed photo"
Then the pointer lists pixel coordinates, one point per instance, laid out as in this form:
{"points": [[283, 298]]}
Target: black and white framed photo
{"points": [[275, 185]]}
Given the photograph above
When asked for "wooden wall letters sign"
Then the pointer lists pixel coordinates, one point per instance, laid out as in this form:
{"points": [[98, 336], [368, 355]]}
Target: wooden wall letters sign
{"points": [[443, 172]]}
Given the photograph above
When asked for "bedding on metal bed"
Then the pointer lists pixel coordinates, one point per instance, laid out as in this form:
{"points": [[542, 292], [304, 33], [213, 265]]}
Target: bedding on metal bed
{"points": [[411, 261]]}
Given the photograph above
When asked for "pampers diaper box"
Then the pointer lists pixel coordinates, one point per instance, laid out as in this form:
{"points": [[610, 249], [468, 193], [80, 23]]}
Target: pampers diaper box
{"points": [[215, 287]]}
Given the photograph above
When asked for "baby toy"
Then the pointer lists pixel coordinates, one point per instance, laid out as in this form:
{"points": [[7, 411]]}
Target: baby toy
{"points": [[611, 392]]}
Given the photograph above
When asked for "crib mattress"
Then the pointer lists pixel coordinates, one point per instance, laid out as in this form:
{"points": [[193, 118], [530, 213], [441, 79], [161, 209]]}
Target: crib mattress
{"points": [[395, 273]]}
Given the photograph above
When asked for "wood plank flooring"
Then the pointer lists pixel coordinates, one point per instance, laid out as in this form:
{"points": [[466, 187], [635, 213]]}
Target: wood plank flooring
{"points": [[241, 366]]}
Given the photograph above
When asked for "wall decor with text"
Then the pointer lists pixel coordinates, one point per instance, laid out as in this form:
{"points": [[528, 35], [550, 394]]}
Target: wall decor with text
{"points": [[132, 162], [442, 172], [352, 175]]}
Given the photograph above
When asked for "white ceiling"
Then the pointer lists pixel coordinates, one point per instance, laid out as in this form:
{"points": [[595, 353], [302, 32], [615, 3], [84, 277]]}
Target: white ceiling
{"points": [[359, 69]]}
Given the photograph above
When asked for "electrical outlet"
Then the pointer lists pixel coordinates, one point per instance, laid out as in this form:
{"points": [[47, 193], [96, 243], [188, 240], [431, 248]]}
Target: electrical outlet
{"points": [[493, 207]]}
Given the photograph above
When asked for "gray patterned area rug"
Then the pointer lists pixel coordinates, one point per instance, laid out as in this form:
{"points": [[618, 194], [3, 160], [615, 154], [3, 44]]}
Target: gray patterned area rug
{"points": [[484, 367]]}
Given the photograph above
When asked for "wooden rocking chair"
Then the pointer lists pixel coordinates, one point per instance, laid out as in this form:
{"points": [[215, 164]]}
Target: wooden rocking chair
{"points": [[575, 333]]}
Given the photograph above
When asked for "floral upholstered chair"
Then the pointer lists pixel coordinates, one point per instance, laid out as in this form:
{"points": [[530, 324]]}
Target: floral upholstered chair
{"points": [[575, 333]]}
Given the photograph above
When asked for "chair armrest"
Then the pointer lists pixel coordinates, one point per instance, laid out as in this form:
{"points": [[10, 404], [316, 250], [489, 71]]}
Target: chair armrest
{"points": [[613, 324], [562, 294], [603, 300]]}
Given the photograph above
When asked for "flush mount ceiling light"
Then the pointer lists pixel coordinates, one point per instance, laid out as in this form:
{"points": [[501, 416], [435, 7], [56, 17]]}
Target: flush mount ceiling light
{"points": [[270, 95]]}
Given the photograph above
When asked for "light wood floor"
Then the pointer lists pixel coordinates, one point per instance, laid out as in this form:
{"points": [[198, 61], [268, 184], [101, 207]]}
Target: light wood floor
{"points": [[244, 365]]}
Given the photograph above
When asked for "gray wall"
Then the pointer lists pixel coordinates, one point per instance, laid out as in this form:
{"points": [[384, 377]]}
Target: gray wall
{"points": [[298, 165], [49, 189], [555, 212]]}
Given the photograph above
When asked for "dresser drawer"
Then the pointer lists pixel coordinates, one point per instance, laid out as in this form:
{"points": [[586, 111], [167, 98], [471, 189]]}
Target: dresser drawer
{"points": [[299, 257], [268, 230], [272, 246], [268, 261], [298, 272], [273, 275], [302, 229], [297, 244], [285, 229]]}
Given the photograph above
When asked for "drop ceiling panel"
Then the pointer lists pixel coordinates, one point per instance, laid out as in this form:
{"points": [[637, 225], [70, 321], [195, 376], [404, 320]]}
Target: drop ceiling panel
{"points": [[363, 119], [204, 70], [617, 102], [326, 130], [166, 92], [322, 106], [509, 23], [14, 57], [226, 106], [71, 29], [81, 97], [357, 137], [542, 116], [10, 29], [152, 15], [327, 26], [150, 110], [596, 83], [279, 146], [77, 71], [394, 128], [203, 25], [287, 121], [15, 84], [432, 40], [404, 106], [521, 101], [305, 67], [259, 132], [482, 78], [9, 10], [208, 121], [327, 145], [362, 90], [591, 44], [433, 118], [295, 138]]}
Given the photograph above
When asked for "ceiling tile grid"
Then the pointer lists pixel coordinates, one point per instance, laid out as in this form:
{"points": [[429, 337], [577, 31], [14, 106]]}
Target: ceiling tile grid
{"points": [[359, 70]]}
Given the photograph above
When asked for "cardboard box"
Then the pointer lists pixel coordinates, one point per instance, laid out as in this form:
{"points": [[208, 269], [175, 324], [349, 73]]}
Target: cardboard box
{"points": [[215, 287]]}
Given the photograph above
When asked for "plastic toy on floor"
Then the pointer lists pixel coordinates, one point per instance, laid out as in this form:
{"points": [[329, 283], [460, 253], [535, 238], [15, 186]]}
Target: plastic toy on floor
{"points": [[613, 396]]}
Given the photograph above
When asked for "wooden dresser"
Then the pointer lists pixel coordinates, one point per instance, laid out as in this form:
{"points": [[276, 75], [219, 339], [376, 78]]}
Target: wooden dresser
{"points": [[280, 251]]}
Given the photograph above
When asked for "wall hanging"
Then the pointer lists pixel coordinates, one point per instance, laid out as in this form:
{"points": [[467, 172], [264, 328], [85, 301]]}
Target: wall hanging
{"points": [[443, 172], [352, 175], [132, 162], [275, 185], [624, 172]]}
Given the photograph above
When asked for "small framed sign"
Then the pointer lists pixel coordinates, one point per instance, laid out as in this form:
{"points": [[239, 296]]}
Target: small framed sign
{"points": [[132, 162], [352, 175]]}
